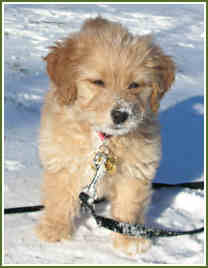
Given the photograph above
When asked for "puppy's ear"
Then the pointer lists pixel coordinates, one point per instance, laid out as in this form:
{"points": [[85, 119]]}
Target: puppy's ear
{"points": [[61, 68], [164, 68]]}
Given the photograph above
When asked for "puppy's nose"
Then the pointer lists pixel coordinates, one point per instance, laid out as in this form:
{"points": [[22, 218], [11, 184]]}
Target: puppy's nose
{"points": [[119, 117]]}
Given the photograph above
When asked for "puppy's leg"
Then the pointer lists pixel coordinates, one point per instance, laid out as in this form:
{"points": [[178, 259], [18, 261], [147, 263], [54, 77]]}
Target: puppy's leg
{"points": [[129, 200], [60, 206]]}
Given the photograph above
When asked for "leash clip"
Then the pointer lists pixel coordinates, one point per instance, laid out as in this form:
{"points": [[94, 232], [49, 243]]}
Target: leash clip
{"points": [[100, 161], [103, 162]]}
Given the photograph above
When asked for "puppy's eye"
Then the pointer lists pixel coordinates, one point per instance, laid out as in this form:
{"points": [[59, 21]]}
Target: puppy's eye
{"points": [[133, 85], [99, 83]]}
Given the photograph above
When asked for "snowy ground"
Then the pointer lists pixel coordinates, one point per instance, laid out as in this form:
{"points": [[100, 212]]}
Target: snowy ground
{"points": [[28, 31]]}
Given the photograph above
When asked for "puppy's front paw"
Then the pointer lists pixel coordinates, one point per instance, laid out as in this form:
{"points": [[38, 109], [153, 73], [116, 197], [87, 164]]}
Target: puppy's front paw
{"points": [[53, 232], [131, 245]]}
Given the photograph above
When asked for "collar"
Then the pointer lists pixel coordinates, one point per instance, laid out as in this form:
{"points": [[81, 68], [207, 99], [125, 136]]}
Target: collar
{"points": [[103, 136]]}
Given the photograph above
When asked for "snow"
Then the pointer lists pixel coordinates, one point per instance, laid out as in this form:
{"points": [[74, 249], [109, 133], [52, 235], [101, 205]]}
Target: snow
{"points": [[28, 30]]}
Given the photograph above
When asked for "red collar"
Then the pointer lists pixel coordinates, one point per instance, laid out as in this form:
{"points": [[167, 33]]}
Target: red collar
{"points": [[103, 136]]}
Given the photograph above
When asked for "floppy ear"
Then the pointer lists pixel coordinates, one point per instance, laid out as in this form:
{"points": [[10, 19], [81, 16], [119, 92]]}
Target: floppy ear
{"points": [[61, 63], [164, 68]]}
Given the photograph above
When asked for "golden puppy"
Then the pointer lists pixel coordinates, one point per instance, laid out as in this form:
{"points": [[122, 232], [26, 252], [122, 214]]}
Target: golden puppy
{"points": [[105, 82]]}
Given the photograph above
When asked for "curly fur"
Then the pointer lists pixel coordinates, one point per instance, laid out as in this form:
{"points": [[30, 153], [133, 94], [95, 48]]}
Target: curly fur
{"points": [[100, 69]]}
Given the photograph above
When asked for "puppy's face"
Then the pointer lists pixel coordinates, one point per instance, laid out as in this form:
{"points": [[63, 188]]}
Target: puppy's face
{"points": [[113, 95], [114, 78]]}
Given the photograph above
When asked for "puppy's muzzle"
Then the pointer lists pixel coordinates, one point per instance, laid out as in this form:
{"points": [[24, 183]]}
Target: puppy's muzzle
{"points": [[119, 117]]}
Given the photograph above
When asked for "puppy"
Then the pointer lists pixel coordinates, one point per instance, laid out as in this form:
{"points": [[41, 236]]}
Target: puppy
{"points": [[105, 82]]}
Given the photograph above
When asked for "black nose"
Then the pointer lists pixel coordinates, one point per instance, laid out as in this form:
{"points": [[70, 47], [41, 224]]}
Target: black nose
{"points": [[119, 117]]}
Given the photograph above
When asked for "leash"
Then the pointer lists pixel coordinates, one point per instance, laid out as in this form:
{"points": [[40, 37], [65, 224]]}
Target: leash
{"points": [[156, 186], [23, 209], [136, 230], [105, 162]]}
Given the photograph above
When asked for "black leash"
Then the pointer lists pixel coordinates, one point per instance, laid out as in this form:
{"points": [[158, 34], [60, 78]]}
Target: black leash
{"points": [[23, 209], [191, 185], [139, 230], [136, 230]]}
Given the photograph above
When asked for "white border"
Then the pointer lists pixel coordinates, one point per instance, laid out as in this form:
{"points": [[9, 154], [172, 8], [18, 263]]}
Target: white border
{"points": [[2, 161], [205, 125], [105, 3]]}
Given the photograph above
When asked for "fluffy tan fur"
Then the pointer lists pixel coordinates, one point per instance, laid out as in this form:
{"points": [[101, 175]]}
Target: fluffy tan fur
{"points": [[76, 106]]}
